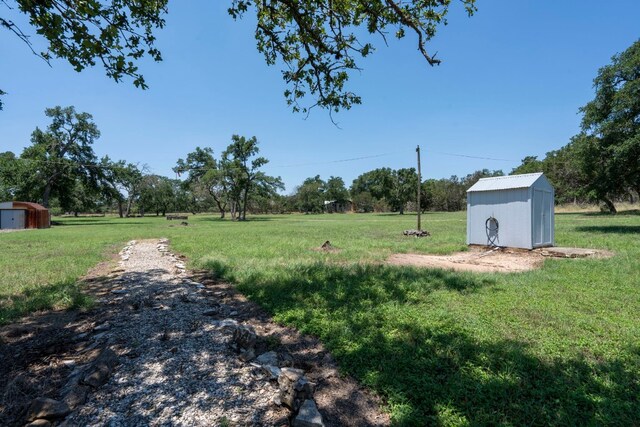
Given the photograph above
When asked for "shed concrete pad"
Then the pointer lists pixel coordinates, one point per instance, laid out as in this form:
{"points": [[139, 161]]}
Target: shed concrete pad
{"points": [[559, 252]]}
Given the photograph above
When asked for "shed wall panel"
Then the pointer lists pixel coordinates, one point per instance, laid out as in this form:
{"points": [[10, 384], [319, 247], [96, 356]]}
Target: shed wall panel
{"points": [[511, 208]]}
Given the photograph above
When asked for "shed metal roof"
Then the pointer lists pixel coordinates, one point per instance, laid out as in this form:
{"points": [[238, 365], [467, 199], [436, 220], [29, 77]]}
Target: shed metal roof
{"points": [[505, 182]]}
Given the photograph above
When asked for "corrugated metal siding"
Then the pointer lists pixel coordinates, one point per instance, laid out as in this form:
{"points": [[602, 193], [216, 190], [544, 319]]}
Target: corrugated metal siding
{"points": [[505, 182], [37, 215], [511, 208]]}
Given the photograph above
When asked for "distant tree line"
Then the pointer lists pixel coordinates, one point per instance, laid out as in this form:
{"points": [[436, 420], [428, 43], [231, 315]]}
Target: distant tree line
{"points": [[60, 170]]}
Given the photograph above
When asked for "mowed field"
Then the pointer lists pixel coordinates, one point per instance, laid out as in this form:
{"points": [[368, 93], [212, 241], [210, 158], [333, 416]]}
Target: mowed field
{"points": [[555, 346]]}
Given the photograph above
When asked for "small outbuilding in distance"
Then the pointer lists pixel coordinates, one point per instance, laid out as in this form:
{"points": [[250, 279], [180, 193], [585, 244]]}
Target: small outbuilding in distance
{"points": [[20, 215], [513, 211]]}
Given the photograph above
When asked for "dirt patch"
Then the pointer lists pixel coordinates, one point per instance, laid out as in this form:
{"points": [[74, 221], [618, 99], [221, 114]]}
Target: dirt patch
{"points": [[481, 259], [476, 260]]}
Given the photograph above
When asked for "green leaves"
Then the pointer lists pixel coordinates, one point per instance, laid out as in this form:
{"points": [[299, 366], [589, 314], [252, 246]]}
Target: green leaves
{"points": [[317, 41], [609, 144], [113, 33], [319, 44]]}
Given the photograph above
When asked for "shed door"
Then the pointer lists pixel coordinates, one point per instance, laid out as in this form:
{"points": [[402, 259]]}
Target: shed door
{"points": [[547, 212], [541, 218], [12, 219]]}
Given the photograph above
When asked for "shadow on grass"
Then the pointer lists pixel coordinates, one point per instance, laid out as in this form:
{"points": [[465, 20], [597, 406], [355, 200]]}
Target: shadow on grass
{"points": [[442, 376], [379, 323], [613, 229], [65, 294], [619, 213], [109, 223], [230, 221]]}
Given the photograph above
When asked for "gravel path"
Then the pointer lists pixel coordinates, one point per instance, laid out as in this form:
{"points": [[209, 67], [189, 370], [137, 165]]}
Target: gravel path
{"points": [[176, 367], [165, 346]]}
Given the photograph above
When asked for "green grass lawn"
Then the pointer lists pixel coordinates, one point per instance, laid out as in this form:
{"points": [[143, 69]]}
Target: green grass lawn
{"points": [[556, 346]]}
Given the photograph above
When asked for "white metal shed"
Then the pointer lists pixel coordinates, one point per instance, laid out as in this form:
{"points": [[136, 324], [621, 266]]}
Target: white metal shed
{"points": [[514, 211]]}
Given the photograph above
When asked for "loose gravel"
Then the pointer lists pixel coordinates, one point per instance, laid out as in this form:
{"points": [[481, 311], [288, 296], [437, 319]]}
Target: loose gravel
{"points": [[176, 366]]}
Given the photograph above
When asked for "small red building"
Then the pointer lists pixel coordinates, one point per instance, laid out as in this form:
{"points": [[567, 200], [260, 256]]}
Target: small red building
{"points": [[18, 215]]}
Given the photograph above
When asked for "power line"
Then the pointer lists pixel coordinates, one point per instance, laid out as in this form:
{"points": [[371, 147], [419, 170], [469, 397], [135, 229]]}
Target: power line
{"points": [[471, 157], [334, 161], [67, 162]]}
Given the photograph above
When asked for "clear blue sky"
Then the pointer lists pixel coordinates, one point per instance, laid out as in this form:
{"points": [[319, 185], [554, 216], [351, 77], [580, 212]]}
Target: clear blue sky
{"points": [[512, 79]]}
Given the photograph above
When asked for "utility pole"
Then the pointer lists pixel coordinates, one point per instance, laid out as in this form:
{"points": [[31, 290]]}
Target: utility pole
{"points": [[419, 186]]}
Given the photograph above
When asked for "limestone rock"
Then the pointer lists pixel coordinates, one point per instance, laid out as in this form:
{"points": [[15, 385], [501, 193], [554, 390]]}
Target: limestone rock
{"points": [[103, 327], [76, 396], [285, 359], [308, 416], [244, 337], [268, 358], [39, 423], [101, 369], [247, 355], [288, 384], [43, 407], [273, 372]]}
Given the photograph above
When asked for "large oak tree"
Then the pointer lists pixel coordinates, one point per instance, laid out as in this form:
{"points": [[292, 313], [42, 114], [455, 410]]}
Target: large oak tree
{"points": [[63, 153], [609, 144], [317, 43]]}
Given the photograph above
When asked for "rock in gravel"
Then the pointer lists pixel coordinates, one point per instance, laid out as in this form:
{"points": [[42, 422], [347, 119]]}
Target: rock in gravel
{"points": [[98, 337], [229, 324], [210, 312], [51, 409], [101, 368], [39, 423], [244, 337], [247, 355], [76, 396], [268, 358], [273, 372], [287, 381], [119, 291], [103, 327], [285, 359], [308, 416]]}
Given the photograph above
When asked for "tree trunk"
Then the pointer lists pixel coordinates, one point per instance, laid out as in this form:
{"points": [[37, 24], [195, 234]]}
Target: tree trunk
{"points": [[610, 205], [244, 203], [233, 210], [120, 208], [129, 204], [46, 194], [222, 207]]}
